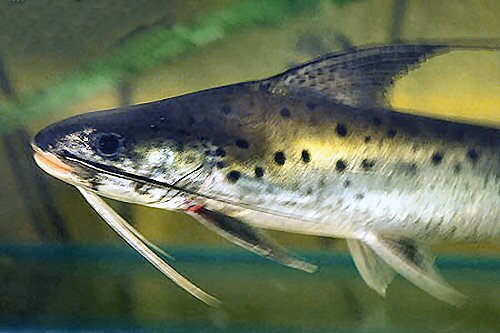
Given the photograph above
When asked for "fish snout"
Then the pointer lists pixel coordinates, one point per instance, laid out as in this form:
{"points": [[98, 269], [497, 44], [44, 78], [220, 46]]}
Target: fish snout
{"points": [[46, 156], [44, 140]]}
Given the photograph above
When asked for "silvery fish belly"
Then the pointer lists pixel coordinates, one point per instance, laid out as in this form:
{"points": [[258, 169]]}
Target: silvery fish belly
{"points": [[315, 150]]}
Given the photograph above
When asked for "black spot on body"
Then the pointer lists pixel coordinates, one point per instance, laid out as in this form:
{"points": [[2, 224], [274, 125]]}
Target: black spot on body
{"points": [[341, 130], [472, 155], [243, 144], [233, 176], [340, 166], [437, 158], [359, 196], [285, 113], [220, 152], [259, 172], [391, 133], [368, 139], [221, 164], [305, 156], [367, 164], [279, 158], [347, 183], [457, 168]]}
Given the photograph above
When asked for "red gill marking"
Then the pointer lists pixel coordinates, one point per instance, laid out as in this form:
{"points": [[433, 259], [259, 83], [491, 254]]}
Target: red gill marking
{"points": [[194, 208]]}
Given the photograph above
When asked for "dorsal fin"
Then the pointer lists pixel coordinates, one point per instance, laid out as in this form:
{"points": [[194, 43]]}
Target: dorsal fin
{"points": [[357, 78]]}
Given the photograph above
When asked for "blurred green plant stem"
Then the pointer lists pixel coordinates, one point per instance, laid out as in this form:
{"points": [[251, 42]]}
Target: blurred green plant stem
{"points": [[145, 51]]}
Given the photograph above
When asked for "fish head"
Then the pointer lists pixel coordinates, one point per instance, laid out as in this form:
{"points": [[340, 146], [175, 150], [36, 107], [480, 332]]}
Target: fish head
{"points": [[133, 154]]}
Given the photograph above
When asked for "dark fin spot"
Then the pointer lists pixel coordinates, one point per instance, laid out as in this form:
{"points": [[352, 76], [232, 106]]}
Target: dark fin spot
{"points": [[243, 144], [226, 110], [279, 158], [285, 113], [233, 176], [347, 183], [340, 166], [311, 106], [391, 133], [221, 164], [259, 172], [368, 139], [473, 155], [367, 164], [359, 196], [437, 158], [457, 168], [305, 156], [341, 130], [377, 121], [220, 152]]}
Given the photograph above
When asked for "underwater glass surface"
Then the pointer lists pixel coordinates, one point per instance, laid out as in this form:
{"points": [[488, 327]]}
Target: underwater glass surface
{"points": [[62, 268]]}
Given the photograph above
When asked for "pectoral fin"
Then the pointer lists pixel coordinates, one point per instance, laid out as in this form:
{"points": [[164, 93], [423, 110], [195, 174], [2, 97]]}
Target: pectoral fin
{"points": [[414, 262], [136, 241], [247, 237]]}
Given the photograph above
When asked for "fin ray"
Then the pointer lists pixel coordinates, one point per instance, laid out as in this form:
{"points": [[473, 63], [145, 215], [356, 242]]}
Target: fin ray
{"points": [[356, 78]]}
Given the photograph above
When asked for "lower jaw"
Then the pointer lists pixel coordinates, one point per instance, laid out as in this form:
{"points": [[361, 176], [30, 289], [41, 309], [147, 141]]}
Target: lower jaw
{"points": [[55, 167]]}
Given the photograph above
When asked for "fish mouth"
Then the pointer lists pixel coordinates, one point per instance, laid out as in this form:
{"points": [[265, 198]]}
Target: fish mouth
{"points": [[53, 164]]}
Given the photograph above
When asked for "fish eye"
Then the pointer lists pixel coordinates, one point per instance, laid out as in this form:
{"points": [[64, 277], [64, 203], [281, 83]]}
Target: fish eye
{"points": [[108, 144]]}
